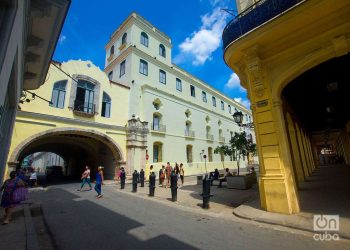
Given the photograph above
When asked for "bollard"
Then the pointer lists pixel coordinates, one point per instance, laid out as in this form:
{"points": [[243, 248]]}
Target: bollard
{"points": [[122, 180], [206, 191], [173, 183], [135, 176], [152, 183], [142, 178]]}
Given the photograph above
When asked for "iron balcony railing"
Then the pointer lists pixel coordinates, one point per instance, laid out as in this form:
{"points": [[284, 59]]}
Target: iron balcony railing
{"points": [[189, 133], [210, 137], [84, 107], [254, 16], [158, 127]]}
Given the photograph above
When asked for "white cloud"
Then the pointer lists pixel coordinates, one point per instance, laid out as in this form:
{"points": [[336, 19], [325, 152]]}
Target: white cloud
{"points": [[234, 83], [62, 38], [242, 101], [203, 42]]}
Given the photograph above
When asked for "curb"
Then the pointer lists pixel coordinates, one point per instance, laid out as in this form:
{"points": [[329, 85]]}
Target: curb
{"points": [[283, 225], [31, 236]]}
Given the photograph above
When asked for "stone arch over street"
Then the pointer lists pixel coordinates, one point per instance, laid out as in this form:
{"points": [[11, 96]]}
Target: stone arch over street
{"points": [[78, 147]]}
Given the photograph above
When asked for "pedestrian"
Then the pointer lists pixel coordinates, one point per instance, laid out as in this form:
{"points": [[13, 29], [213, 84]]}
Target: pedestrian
{"points": [[8, 201], [85, 178], [99, 182], [162, 176], [117, 174], [182, 173], [168, 170], [33, 178]]}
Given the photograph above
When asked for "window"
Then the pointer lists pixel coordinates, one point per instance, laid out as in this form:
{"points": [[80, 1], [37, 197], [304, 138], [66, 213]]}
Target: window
{"points": [[246, 117], [193, 91], [106, 106], [214, 101], [111, 52], [156, 121], [222, 105], [84, 100], [204, 96], [144, 39], [157, 152], [178, 85], [162, 76], [143, 67], [189, 153], [122, 68], [162, 50], [110, 75], [210, 154], [125, 36], [58, 94], [229, 109]]}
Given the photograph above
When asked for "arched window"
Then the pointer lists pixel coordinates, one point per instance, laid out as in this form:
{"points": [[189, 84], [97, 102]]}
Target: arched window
{"points": [[111, 52], [214, 101], [125, 36], [144, 39], [84, 99], [110, 75], [157, 151], [162, 50], [106, 106], [189, 153], [58, 94], [210, 154]]}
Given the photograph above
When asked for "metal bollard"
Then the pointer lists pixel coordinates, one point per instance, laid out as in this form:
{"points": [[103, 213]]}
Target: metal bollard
{"points": [[206, 191], [173, 182], [135, 176], [142, 178], [122, 180], [152, 183]]}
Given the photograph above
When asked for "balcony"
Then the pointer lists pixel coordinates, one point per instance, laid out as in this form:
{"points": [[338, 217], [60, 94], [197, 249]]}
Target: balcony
{"points": [[210, 137], [189, 133], [156, 127], [86, 109], [221, 139], [254, 16]]}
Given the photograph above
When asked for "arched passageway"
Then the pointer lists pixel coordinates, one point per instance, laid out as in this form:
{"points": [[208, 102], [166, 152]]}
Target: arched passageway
{"points": [[317, 118], [77, 147]]}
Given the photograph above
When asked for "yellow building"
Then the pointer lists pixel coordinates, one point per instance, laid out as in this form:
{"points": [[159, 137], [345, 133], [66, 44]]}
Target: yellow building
{"points": [[292, 56], [85, 124]]}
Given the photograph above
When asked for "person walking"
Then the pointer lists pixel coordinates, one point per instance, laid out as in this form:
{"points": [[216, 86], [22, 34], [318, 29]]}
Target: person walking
{"points": [[85, 178], [182, 173], [7, 200], [162, 176], [99, 182]]}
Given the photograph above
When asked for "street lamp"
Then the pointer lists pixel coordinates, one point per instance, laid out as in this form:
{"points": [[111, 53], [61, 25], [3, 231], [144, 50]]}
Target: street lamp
{"points": [[238, 118]]}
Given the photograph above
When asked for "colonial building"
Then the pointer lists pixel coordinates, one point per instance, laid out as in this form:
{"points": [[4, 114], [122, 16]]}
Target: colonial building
{"points": [[292, 56], [187, 118], [142, 110], [29, 31]]}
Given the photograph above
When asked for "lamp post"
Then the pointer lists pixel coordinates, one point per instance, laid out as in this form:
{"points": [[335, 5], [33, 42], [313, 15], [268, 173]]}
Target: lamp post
{"points": [[238, 118]]}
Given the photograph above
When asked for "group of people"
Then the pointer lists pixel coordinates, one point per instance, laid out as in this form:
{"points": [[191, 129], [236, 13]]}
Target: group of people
{"points": [[165, 173], [85, 179]]}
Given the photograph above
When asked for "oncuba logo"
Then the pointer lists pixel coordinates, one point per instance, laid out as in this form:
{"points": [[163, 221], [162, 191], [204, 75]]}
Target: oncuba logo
{"points": [[326, 224]]}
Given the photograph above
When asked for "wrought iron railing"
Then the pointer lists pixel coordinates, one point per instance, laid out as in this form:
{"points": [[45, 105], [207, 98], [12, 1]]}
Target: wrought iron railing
{"points": [[252, 17], [158, 127], [84, 107], [189, 133], [210, 137]]}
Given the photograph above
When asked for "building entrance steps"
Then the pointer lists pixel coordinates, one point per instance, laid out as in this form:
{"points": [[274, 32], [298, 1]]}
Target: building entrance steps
{"points": [[325, 192]]}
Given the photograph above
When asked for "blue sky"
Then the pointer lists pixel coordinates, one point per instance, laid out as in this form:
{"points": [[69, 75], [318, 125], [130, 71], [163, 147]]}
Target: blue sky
{"points": [[194, 26]]}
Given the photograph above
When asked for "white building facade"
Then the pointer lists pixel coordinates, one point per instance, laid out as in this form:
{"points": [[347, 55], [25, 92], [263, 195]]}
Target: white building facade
{"points": [[187, 118]]}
